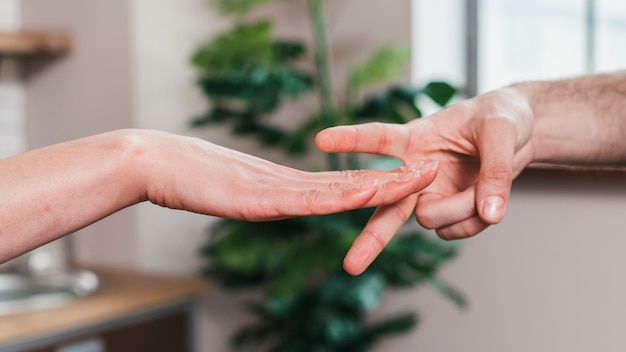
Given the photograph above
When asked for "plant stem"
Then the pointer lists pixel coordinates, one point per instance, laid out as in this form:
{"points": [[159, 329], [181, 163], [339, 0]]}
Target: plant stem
{"points": [[322, 58]]}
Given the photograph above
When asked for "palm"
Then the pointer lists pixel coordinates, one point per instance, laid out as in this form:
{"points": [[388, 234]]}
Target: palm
{"points": [[459, 162]]}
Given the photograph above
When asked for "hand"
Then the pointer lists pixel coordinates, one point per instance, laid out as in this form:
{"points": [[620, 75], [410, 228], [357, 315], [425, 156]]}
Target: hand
{"points": [[195, 175], [53, 191], [481, 145]]}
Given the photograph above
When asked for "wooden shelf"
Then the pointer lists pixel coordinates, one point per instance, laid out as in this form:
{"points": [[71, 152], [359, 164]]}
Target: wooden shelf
{"points": [[32, 43]]}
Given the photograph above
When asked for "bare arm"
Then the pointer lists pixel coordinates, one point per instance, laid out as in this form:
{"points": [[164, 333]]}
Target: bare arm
{"points": [[50, 192], [580, 121]]}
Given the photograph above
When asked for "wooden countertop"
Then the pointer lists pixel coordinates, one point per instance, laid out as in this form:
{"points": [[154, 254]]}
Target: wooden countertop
{"points": [[121, 293]]}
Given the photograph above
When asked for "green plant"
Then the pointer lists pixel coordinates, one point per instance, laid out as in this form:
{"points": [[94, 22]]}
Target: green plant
{"points": [[311, 303]]}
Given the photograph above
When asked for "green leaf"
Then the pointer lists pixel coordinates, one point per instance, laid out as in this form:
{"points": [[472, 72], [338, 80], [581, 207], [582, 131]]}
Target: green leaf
{"points": [[261, 87], [252, 335], [448, 291], [294, 83], [379, 108], [243, 85], [247, 248], [363, 292], [405, 102], [289, 283], [440, 92], [398, 104], [295, 343], [385, 64], [395, 325], [341, 328], [271, 135], [233, 279], [412, 258], [286, 51], [218, 114], [238, 7], [244, 46]]}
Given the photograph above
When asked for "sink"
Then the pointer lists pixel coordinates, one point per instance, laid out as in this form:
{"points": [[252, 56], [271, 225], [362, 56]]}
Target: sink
{"points": [[26, 293]]}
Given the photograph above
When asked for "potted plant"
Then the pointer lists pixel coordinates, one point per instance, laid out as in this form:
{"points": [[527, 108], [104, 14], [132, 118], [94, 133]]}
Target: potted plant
{"points": [[310, 303]]}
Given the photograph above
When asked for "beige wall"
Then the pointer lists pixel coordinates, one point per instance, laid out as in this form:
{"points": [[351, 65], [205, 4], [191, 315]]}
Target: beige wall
{"points": [[549, 278], [12, 94], [87, 92]]}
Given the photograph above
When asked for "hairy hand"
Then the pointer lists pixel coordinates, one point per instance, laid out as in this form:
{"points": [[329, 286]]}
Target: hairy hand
{"points": [[480, 144]]}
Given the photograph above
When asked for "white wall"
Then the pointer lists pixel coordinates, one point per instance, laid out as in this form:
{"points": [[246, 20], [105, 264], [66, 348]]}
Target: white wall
{"points": [[12, 97], [165, 33]]}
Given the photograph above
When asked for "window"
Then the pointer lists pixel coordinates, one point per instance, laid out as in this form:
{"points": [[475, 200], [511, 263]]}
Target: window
{"points": [[490, 43]]}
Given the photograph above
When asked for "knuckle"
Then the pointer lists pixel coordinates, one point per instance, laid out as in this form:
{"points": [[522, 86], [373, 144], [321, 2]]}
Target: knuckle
{"points": [[384, 140], [462, 230], [468, 229], [400, 213], [500, 175], [378, 241]]}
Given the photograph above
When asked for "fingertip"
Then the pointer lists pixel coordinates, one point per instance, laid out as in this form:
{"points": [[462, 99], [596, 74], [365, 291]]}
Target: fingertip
{"points": [[324, 140], [492, 210], [360, 256], [351, 267]]}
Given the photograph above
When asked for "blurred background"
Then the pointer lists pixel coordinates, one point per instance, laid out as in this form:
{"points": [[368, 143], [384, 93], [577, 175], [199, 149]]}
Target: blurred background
{"points": [[548, 278]]}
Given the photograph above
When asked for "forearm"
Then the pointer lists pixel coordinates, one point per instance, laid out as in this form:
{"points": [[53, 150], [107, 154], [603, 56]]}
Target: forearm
{"points": [[579, 121], [53, 191]]}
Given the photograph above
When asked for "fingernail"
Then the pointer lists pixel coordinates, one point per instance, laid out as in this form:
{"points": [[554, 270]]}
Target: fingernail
{"points": [[412, 166], [492, 208], [409, 175]]}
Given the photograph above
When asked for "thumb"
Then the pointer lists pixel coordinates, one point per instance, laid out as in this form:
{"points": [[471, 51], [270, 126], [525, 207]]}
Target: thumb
{"points": [[496, 146]]}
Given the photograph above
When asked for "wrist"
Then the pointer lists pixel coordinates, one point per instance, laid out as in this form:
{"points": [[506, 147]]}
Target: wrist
{"points": [[131, 148], [533, 93]]}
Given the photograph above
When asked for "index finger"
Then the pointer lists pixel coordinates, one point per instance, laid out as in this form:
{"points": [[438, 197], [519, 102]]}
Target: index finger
{"points": [[379, 230], [372, 138]]}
